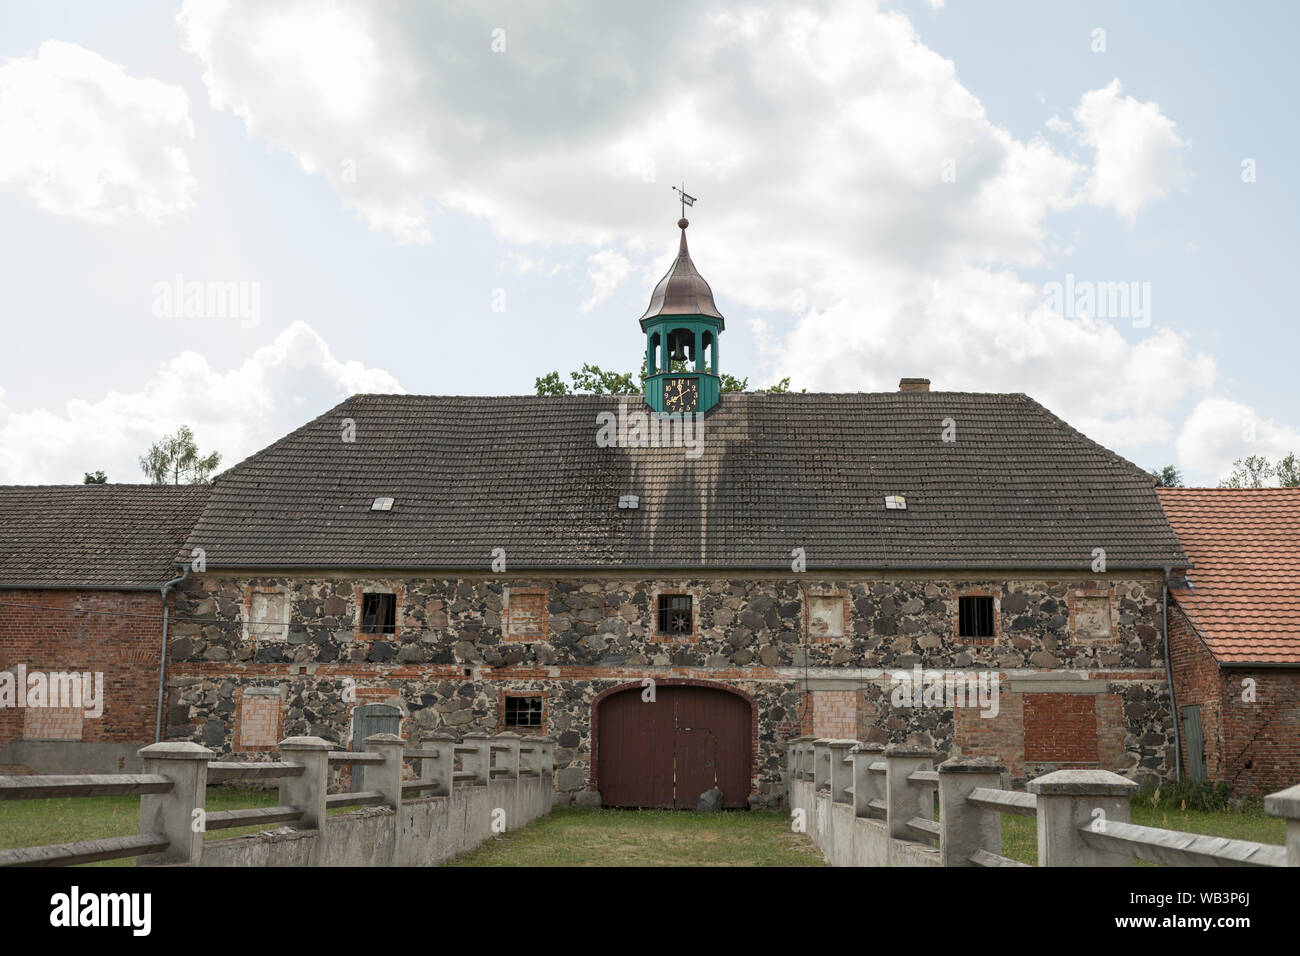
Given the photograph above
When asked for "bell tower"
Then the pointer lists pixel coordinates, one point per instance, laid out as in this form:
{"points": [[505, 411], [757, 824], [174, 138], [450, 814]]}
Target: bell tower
{"points": [[681, 327]]}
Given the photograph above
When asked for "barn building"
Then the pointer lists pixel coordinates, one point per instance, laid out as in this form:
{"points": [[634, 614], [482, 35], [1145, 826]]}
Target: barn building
{"points": [[673, 596]]}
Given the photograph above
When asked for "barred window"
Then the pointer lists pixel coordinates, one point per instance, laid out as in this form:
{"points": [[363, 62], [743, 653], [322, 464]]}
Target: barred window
{"points": [[378, 613], [975, 617], [676, 614]]}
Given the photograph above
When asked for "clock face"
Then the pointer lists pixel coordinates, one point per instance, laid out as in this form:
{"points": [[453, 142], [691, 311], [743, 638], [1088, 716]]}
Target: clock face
{"points": [[681, 394]]}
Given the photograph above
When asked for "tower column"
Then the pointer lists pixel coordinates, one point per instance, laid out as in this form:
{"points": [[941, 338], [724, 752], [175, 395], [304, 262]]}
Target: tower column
{"points": [[699, 350], [650, 353]]}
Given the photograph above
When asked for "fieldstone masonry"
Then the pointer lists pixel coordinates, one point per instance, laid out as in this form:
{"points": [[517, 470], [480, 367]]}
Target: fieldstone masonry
{"points": [[455, 648]]}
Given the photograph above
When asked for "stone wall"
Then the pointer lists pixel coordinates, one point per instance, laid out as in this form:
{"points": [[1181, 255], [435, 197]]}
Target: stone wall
{"points": [[463, 644]]}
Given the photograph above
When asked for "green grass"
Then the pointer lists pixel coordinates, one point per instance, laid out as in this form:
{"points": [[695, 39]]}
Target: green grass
{"points": [[1020, 836], [41, 822], [573, 836]]}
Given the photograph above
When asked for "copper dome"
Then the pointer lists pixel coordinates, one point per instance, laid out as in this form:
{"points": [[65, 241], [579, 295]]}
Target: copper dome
{"points": [[683, 290]]}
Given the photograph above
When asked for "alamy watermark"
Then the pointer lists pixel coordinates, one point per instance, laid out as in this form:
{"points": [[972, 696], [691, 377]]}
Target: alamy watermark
{"points": [[65, 690], [181, 299], [1084, 299], [922, 688], [639, 429]]}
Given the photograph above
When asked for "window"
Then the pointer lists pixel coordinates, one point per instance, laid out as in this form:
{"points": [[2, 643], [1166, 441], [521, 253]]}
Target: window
{"points": [[975, 616], [523, 712], [378, 613], [676, 615]]}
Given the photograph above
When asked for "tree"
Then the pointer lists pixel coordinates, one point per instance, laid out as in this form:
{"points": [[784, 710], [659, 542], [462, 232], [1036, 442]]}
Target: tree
{"points": [[1167, 477], [1288, 472], [175, 460], [95, 478], [1251, 472], [593, 380]]}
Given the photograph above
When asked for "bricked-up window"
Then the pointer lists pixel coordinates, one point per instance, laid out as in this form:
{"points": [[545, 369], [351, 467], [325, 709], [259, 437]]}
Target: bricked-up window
{"points": [[378, 613], [975, 617], [523, 712], [526, 617], [675, 614]]}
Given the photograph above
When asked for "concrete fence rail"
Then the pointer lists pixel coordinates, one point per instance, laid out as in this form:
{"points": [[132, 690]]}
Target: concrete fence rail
{"points": [[872, 805], [505, 783]]}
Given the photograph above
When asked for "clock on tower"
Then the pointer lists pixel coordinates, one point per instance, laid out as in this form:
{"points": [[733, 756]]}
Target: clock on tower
{"points": [[681, 395], [681, 328]]}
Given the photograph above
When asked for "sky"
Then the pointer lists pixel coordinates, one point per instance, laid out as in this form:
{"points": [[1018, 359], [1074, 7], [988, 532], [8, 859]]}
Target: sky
{"points": [[233, 215]]}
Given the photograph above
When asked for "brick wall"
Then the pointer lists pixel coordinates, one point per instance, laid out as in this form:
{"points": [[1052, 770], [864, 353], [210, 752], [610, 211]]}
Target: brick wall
{"points": [[1252, 745], [87, 631]]}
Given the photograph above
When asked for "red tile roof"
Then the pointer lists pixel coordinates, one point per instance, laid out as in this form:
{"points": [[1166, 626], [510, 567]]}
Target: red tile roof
{"points": [[1244, 544]]}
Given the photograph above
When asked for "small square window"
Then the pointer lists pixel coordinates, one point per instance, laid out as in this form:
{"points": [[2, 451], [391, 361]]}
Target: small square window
{"points": [[676, 615], [523, 712], [378, 613], [975, 616]]}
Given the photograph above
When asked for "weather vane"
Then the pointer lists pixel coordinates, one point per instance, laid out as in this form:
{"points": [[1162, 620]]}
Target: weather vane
{"points": [[687, 198]]}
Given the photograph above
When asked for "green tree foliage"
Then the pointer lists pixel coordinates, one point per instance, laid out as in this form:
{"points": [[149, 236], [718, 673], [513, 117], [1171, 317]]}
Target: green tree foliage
{"points": [[175, 460], [1167, 477], [593, 380], [1249, 472], [95, 478]]}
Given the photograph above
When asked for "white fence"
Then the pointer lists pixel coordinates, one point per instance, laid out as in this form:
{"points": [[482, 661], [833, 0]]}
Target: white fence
{"points": [[504, 782], [872, 805]]}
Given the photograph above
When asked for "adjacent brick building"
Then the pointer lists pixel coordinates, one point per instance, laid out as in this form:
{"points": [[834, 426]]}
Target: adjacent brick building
{"points": [[81, 572], [1234, 635]]}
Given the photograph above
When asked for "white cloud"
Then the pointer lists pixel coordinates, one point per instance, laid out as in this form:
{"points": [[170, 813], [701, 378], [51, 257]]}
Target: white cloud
{"points": [[859, 187], [1139, 155], [1219, 431], [236, 411], [606, 270], [85, 139]]}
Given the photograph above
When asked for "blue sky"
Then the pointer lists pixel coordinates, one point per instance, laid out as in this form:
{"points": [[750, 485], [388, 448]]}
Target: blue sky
{"points": [[457, 199]]}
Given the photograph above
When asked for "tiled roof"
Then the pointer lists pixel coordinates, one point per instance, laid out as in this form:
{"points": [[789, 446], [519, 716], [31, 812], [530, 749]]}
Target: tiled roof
{"points": [[94, 536], [1018, 488], [1245, 547]]}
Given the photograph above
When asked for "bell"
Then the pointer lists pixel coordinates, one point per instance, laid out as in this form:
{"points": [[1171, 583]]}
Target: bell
{"points": [[680, 354]]}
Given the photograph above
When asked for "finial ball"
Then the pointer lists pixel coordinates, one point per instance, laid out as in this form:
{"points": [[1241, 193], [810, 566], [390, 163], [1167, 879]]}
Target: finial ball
{"points": [[683, 223]]}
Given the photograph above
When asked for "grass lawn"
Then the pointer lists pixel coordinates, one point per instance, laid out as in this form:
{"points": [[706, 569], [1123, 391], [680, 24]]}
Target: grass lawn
{"points": [[585, 837], [1020, 836], [41, 822], [573, 836]]}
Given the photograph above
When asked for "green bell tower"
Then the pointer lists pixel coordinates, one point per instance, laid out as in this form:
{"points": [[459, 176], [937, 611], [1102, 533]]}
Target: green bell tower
{"points": [[681, 327]]}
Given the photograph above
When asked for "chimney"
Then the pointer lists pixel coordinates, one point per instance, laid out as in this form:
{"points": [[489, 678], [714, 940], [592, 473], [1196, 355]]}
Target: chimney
{"points": [[913, 384]]}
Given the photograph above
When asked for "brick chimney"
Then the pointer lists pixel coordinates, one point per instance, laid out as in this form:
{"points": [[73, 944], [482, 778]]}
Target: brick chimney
{"points": [[913, 384]]}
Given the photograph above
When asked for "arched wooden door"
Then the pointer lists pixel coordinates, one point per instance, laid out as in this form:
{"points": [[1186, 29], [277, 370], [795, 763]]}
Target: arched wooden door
{"points": [[666, 752]]}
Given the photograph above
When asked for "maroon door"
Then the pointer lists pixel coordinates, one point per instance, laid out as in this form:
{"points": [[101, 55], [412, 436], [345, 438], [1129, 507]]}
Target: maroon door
{"points": [[667, 752]]}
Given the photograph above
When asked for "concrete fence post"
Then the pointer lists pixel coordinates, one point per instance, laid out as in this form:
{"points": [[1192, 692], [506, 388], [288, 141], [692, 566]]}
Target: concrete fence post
{"points": [[965, 828], [1069, 799], [172, 814], [802, 755], [905, 800], [1286, 804], [509, 758], [439, 769], [479, 763], [546, 756], [386, 777], [841, 771], [821, 764], [867, 786], [306, 792]]}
